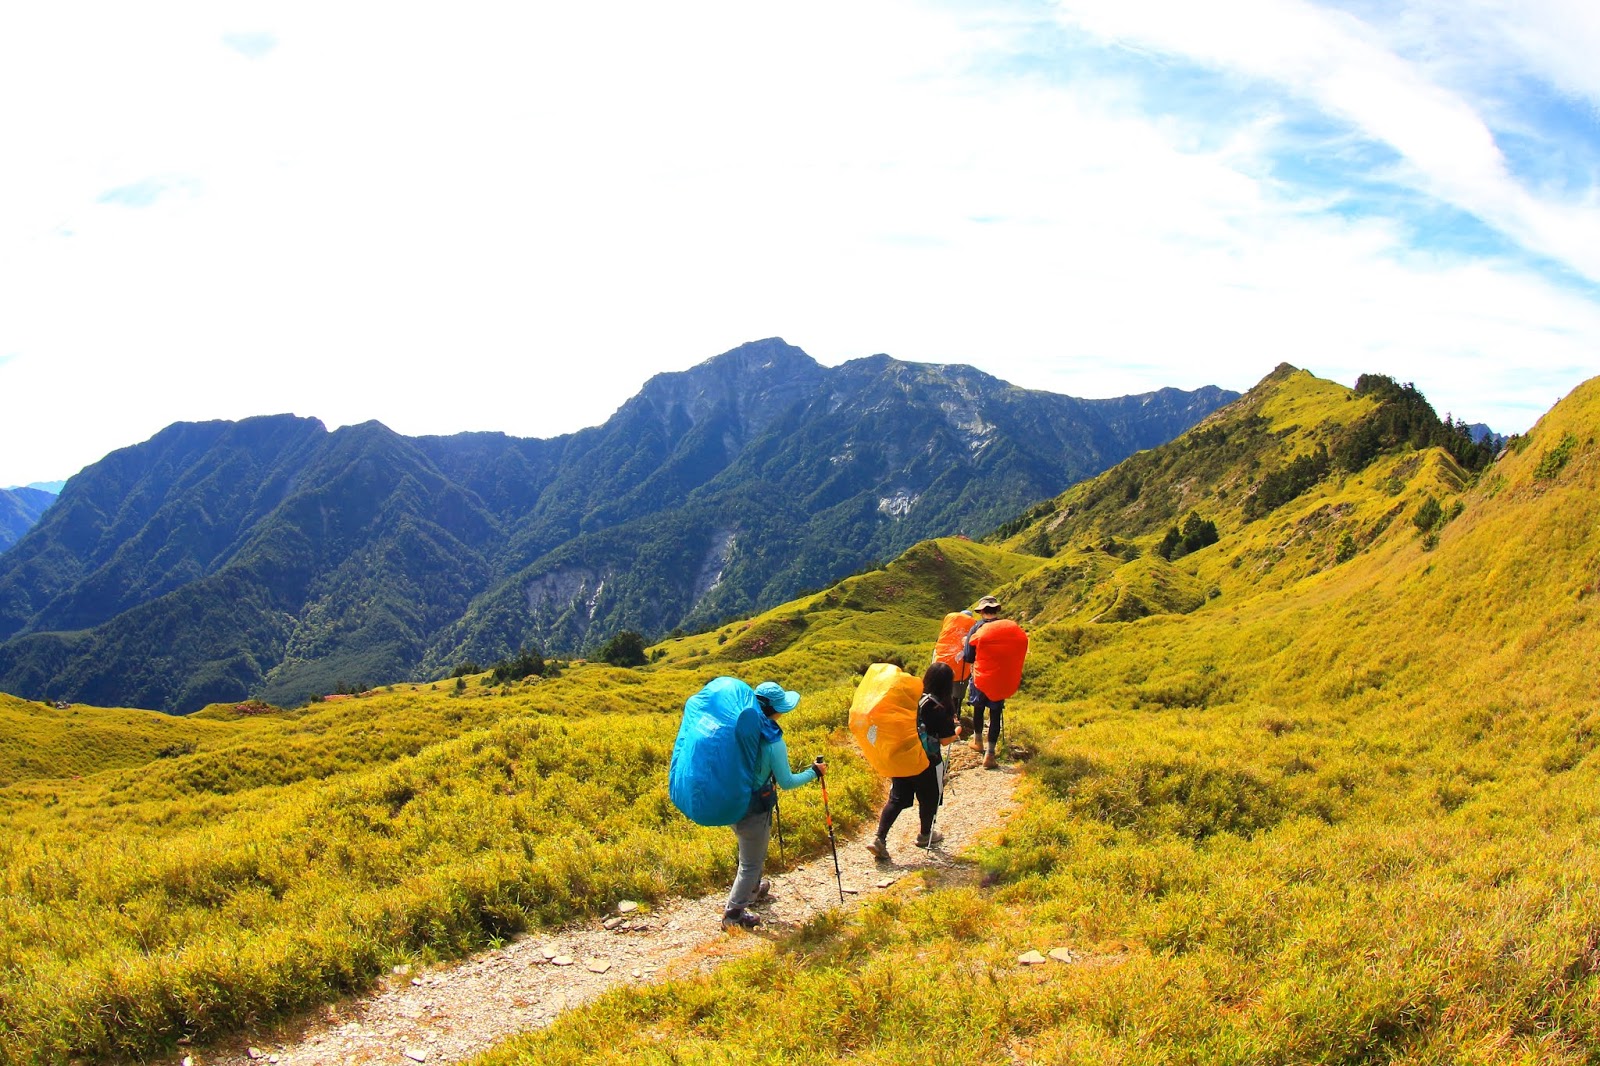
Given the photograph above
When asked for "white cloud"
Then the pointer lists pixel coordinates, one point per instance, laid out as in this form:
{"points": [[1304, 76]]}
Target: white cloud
{"points": [[508, 216], [1349, 69]]}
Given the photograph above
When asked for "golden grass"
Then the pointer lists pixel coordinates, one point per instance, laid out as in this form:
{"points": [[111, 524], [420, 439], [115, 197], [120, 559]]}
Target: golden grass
{"points": [[39, 741], [1349, 817], [1337, 810]]}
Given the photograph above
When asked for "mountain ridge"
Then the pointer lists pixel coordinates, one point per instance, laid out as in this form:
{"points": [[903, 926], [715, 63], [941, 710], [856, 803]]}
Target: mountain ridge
{"points": [[20, 510], [280, 559]]}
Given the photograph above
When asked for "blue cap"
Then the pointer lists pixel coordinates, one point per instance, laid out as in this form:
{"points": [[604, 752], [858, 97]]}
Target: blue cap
{"points": [[777, 697]]}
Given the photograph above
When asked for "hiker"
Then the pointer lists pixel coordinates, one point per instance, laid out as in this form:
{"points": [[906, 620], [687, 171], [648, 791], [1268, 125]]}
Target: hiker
{"points": [[936, 723], [948, 649], [754, 830], [997, 648]]}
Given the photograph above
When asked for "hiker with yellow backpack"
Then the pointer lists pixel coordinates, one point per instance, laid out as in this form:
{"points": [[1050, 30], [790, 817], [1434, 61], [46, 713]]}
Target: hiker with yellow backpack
{"points": [[902, 733]]}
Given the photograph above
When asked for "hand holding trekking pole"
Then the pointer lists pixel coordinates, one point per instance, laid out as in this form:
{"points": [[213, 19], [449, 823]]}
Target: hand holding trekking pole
{"points": [[820, 766]]}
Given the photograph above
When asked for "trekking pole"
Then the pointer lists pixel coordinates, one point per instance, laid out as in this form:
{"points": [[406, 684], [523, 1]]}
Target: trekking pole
{"points": [[777, 817], [826, 814], [944, 764]]}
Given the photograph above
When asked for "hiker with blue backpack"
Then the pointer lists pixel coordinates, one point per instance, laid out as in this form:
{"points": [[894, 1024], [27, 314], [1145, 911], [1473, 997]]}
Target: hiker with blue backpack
{"points": [[936, 725], [727, 765]]}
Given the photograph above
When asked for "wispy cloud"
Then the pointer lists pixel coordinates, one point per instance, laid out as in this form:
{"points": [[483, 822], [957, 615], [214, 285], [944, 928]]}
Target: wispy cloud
{"points": [[1352, 72], [251, 45], [145, 192]]}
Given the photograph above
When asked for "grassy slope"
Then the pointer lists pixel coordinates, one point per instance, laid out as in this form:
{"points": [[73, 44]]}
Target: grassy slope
{"points": [[1347, 818], [1334, 812], [39, 742], [293, 856]]}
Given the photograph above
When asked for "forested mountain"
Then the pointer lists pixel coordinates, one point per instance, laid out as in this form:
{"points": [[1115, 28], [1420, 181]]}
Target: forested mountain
{"points": [[20, 508], [271, 557]]}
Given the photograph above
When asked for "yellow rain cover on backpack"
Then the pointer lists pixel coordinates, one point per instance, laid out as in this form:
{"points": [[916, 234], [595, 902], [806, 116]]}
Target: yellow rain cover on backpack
{"points": [[883, 719]]}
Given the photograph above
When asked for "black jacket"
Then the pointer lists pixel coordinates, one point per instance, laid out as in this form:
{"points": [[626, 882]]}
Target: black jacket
{"points": [[936, 719]]}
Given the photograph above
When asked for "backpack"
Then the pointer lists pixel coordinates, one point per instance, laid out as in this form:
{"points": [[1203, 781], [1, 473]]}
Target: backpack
{"points": [[951, 643], [1002, 649], [712, 776], [883, 719]]}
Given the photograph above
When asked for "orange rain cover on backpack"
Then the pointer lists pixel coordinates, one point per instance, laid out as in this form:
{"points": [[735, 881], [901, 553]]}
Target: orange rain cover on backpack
{"points": [[947, 649], [883, 719], [1002, 648]]}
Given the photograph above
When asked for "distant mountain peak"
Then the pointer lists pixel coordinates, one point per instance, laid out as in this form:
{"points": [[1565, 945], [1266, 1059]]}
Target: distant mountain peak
{"points": [[769, 353]]}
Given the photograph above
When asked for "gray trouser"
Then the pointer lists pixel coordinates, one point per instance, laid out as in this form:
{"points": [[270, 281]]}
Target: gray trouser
{"points": [[755, 833]]}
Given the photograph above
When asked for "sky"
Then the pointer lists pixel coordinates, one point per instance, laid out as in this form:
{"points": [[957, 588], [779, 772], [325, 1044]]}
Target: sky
{"points": [[508, 216]]}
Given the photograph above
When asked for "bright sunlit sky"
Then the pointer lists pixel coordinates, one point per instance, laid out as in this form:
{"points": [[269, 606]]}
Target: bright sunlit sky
{"points": [[508, 216]]}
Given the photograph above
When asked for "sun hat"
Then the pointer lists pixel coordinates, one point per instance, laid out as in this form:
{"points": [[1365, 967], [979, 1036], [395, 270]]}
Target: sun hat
{"points": [[777, 697], [987, 602]]}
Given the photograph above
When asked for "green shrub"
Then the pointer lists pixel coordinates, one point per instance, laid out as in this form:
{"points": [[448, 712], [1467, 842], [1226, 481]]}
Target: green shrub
{"points": [[624, 649], [1551, 462]]}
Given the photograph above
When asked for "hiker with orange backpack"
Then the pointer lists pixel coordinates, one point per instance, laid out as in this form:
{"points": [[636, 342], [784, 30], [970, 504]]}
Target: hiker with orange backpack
{"points": [[996, 647], [949, 649]]}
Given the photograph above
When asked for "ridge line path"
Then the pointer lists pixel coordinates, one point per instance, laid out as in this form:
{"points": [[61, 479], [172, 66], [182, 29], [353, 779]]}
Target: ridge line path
{"points": [[457, 1010]]}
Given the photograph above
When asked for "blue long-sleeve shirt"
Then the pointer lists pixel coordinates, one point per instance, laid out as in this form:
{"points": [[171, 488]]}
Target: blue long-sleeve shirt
{"points": [[774, 762]]}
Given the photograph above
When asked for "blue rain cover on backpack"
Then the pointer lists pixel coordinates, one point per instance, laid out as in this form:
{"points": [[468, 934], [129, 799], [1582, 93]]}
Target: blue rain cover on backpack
{"points": [[714, 759]]}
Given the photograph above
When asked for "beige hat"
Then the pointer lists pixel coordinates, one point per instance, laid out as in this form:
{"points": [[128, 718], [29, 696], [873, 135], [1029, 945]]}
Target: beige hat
{"points": [[988, 602]]}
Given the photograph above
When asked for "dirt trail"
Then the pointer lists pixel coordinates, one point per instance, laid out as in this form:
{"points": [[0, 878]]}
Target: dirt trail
{"points": [[454, 1011]]}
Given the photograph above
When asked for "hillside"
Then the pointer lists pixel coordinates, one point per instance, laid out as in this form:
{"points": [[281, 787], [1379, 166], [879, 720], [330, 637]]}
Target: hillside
{"points": [[270, 557], [39, 742], [20, 509], [1296, 803], [1342, 811]]}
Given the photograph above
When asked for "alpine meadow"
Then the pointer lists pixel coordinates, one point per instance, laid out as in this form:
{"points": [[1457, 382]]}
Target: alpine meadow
{"points": [[1307, 740]]}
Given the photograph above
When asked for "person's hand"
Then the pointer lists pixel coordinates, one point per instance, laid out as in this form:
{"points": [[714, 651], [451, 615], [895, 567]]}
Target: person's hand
{"points": [[819, 766]]}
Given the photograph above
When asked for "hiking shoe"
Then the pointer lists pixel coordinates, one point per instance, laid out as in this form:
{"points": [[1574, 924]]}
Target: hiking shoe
{"points": [[879, 849], [989, 761], [739, 919], [975, 743], [763, 890], [927, 840]]}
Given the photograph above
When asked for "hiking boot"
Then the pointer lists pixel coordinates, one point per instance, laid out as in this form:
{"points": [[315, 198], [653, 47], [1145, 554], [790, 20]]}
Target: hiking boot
{"points": [[763, 890], [739, 918], [880, 849], [928, 840], [976, 743], [989, 761]]}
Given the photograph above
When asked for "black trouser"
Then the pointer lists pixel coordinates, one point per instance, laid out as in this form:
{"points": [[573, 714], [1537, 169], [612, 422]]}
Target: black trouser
{"points": [[922, 788], [979, 702]]}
